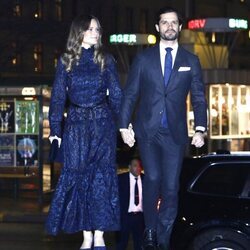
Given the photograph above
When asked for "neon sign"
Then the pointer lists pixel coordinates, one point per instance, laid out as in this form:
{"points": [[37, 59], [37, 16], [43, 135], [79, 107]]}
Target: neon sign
{"points": [[196, 24], [131, 39], [218, 24], [123, 38], [238, 23]]}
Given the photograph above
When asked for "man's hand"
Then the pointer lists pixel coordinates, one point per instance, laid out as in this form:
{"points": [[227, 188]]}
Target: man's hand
{"points": [[51, 138], [128, 135], [198, 140]]}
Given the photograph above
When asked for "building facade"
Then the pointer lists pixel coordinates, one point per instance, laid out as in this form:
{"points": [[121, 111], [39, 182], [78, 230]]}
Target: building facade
{"points": [[34, 32]]}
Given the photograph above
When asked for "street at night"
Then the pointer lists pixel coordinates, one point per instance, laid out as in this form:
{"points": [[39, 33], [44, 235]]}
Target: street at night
{"points": [[30, 236], [125, 122]]}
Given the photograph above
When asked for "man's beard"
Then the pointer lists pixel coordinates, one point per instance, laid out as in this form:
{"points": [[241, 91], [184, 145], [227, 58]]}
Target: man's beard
{"points": [[170, 37]]}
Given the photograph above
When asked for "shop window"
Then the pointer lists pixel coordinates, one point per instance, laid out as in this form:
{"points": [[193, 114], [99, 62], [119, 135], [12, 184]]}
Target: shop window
{"points": [[229, 111], [19, 129], [58, 10], [227, 179], [37, 55]]}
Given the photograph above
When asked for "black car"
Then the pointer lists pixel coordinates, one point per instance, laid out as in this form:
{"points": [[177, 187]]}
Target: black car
{"points": [[214, 208]]}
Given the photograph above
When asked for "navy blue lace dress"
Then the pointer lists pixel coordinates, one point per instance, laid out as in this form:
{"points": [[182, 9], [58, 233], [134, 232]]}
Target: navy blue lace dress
{"points": [[86, 196]]}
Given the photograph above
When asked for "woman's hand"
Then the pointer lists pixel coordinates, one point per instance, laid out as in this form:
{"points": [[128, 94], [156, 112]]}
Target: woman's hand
{"points": [[51, 138], [128, 135]]}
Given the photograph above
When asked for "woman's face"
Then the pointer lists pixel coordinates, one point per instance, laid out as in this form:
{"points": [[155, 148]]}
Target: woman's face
{"points": [[91, 35]]}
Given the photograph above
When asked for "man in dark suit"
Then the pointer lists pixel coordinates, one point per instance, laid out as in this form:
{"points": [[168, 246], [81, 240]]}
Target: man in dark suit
{"points": [[161, 78], [130, 194]]}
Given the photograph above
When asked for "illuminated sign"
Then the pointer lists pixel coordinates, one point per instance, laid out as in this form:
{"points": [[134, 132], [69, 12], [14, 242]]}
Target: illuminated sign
{"points": [[238, 23], [151, 39], [132, 39], [123, 38], [218, 24], [196, 24]]}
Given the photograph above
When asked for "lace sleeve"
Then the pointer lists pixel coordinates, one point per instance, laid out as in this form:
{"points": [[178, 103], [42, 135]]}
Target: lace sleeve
{"points": [[115, 92], [58, 99]]}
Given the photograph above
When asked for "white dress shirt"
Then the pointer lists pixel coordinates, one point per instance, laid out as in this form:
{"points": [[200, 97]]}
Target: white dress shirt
{"points": [[132, 207]]}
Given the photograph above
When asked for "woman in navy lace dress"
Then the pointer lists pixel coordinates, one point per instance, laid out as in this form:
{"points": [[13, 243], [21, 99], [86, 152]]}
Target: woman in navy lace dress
{"points": [[86, 196]]}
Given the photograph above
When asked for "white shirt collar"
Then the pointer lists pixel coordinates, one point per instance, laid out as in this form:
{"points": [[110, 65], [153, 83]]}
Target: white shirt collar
{"points": [[131, 176], [174, 47], [162, 47]]}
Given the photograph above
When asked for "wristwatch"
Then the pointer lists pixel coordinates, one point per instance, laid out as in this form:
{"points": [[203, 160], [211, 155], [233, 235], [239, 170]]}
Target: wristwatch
{"points": [[199, 131]]}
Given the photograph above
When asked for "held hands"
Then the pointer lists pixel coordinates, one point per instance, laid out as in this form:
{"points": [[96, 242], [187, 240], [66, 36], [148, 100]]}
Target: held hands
{"points": [[128, 135], [52, 138], [198, 139]]}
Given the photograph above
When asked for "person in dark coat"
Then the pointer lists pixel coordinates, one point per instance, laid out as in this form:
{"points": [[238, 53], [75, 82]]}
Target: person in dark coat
{"points": [[132, 221], [159, 81]]}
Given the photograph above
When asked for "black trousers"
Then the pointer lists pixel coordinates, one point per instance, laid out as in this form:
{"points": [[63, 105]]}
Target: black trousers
{"points": [[162, 160], [134, 225]]}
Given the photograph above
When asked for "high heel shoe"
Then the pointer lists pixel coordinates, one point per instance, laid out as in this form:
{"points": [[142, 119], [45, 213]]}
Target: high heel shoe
{"points": [[99, 247]]}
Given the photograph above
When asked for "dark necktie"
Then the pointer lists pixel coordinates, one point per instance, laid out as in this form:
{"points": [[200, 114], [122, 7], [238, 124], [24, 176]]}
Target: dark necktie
{"points": [[167, 73], [136, 192], [168, 65]]}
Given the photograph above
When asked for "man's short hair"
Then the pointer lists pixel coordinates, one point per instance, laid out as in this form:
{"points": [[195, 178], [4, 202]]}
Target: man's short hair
{"points": [[168, 9], [134, 159]]}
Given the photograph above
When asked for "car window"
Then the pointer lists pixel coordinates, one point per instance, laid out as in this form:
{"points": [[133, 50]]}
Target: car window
{"points": [[230, 179], [246, 189]]}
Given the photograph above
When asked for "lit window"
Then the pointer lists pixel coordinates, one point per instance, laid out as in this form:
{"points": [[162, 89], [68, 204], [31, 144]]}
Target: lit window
{"points": [[56, 57], [229, 107], [17, 9], [37, 55], [16, 56], [228, 111], [58, 10], [39, 10]]}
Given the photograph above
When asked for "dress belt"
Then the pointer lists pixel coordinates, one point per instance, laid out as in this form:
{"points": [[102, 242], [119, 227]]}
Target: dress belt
{"points": [[97, 111], [96, 106]]}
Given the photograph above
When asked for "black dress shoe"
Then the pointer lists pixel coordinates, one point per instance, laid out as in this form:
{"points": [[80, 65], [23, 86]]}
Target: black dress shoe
{"points": [[149, 240]]}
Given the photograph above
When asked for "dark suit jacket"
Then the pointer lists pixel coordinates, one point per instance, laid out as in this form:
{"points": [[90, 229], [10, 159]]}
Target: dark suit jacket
{"points": [[146, 83], [124, 191]]}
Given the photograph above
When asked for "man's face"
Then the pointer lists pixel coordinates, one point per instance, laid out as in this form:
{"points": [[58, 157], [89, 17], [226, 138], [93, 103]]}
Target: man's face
{"points": [[168, 27], [135, 167]]}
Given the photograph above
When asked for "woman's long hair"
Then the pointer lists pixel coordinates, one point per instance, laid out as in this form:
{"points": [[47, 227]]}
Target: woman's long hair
{"points": [[72, 52]]}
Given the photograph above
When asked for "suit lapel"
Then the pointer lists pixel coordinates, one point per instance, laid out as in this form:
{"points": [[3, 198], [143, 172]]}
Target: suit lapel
{"points": [[128, 188], [156, 65], [177, 64]]}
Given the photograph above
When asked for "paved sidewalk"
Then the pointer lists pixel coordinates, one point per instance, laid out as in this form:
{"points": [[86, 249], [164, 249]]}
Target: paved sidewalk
{"points": [[26, 207], [22, 227], [23, 209]]}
